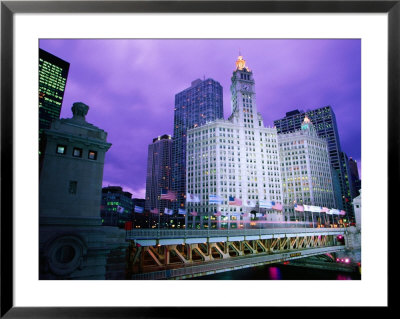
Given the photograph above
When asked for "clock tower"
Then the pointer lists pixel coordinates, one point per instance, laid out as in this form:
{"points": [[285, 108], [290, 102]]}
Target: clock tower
{"points": [[243, 101]]}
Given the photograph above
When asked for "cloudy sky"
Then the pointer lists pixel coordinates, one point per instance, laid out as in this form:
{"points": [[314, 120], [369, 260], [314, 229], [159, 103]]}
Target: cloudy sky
{"points": [[130, 87]]}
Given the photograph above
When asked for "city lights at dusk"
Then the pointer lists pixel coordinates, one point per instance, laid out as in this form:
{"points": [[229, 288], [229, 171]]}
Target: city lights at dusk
{"points": [[179, 154], [130, 87]]}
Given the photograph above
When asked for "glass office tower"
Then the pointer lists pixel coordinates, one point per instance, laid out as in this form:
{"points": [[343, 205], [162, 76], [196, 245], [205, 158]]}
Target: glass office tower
{"points": [[194, 107], [53, 73], [158, 172]]}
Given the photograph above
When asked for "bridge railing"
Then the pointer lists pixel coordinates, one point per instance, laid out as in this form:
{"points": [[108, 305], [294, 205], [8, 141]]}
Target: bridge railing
{"points": [[192, 233]]}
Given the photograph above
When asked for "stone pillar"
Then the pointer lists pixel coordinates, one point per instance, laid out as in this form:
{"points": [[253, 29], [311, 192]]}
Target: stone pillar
{"points": [[357, 211]]}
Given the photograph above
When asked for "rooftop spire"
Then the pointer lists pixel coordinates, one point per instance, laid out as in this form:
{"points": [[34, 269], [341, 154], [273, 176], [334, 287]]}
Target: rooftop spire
{"points": [[306, 120], [241, 63], [307, 124]]}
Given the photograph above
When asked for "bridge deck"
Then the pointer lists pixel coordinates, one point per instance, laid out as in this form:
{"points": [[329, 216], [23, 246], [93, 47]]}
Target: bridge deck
{"points": [[152, 237]]}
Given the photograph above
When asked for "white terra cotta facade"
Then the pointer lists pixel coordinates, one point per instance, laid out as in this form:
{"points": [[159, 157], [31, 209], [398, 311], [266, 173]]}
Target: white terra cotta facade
{"points": [[235, 157]]}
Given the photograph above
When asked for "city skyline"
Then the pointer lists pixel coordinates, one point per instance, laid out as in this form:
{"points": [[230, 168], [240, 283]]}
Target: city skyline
{"points": [[130, 86]]}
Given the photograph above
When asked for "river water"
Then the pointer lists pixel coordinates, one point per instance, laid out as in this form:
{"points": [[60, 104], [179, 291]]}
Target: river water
{"points": [[281, 272]]}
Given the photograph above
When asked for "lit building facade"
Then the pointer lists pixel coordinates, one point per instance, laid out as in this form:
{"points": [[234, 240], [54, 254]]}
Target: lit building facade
{"points": [[158, 175], [324, 121], [236, 158], [305, 168], [53, 73], [202, 102]]}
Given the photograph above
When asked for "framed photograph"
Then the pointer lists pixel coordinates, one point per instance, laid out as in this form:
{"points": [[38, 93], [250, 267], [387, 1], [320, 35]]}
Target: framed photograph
{"points": [[131, 71]]}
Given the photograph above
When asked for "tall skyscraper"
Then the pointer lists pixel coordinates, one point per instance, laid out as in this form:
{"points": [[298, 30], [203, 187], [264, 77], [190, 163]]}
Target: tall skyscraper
{"points": [[234, 161], [158, 172], [350, 187], [324, 121], [53, 73], [337, 189], [195, 106], [306, 170]]}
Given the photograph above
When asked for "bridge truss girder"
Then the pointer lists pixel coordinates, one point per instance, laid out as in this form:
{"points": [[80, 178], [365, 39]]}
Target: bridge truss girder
{"points": [[144, 259]]}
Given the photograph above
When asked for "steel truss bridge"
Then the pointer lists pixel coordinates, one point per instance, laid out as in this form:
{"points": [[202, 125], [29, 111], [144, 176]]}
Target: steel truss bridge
{"points": [[180, 254]]}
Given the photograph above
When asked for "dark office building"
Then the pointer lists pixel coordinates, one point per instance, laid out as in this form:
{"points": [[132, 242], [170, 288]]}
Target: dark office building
{"points": [[53, 73], [195, 106], [116, 206], [354, 175], [138, 202], [351, 189], [140, 219], [158, 175], [324, 121], [337, 189]]}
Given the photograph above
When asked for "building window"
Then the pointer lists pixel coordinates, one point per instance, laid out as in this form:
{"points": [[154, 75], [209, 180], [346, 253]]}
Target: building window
{"points": [[73, 185], [61, 149], [92, 155], [77, 152]]}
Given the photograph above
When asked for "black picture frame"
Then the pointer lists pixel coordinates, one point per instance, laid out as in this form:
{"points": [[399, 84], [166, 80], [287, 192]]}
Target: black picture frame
{"points": [[9, 8]]}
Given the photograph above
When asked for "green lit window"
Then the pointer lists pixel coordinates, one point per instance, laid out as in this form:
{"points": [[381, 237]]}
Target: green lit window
{"points": [[61, 149], [77, 152], [92, 155]]}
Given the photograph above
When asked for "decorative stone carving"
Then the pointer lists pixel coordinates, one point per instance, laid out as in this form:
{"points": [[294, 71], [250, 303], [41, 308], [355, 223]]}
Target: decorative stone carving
{"points": [[79, 111], [65, 254]]}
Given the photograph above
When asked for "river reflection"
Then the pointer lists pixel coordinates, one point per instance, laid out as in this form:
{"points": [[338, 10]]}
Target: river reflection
{"points": [[281, 272], [274, 273]]}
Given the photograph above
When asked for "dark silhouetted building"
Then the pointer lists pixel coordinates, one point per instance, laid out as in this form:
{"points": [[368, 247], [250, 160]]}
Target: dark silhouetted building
{"points": [[351, 191], [116, 206], [354, 175], [158, 175], [138, 202]]}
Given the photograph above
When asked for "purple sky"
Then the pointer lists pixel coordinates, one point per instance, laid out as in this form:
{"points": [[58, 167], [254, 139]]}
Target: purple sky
{"points": [[130, 87]]}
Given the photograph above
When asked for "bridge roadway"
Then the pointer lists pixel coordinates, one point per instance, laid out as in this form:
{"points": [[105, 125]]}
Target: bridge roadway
{"points": [[154, 237], [170, 254]]}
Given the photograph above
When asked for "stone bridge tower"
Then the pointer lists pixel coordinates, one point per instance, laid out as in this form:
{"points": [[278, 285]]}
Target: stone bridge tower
{"points": [[72, 242]]}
